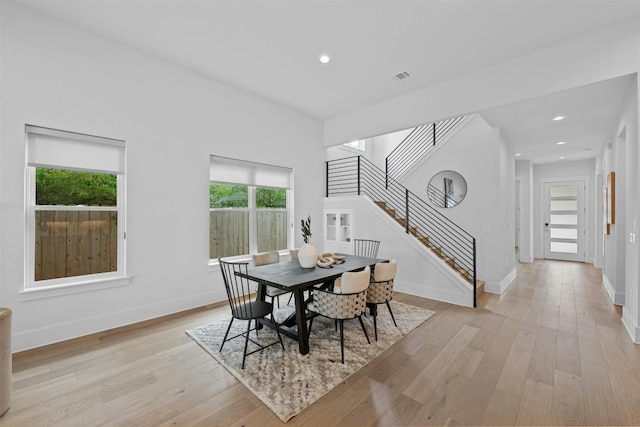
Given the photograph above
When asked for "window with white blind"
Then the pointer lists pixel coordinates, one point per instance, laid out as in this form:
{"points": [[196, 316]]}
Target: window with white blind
{"points": [[75, 208], [249, 207]]}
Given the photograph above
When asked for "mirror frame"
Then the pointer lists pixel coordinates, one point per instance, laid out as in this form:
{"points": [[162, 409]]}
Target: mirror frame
{"points": [[446, 198]]}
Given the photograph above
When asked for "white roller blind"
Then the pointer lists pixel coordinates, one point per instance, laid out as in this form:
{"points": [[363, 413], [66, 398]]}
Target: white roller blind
{"points": [[241, 172], [53, 148]]}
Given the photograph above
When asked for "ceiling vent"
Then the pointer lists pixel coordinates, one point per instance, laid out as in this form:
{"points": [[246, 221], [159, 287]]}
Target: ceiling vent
{"points": [[404, 75]]}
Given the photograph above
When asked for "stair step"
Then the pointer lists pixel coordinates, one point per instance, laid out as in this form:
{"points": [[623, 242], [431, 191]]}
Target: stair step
{"points": [[413, 230]]}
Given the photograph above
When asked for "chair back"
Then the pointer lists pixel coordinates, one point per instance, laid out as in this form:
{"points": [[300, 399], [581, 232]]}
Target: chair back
{"points": [[385, 271], [266, 258], [381, 286], [239, 289], [366, 248], [354, 282], [293, 254]]}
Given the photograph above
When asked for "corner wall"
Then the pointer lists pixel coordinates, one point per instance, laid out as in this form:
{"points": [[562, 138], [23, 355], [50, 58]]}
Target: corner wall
{"points": [[59, 76]]}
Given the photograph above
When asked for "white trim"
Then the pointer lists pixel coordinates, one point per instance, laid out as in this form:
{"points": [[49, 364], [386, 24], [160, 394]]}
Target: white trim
{"points": [[616, 297], [632, 330], [499, 288], [54, 333], [72, 288]]}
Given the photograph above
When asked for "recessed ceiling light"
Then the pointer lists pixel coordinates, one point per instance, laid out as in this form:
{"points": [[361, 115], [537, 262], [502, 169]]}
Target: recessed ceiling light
{"points": [[558, 118], [518, 154], [563, 158], [561, 142], [324, 58]]}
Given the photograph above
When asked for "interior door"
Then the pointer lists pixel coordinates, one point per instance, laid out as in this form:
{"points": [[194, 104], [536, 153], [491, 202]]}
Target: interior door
{"points": [[564, 221]]}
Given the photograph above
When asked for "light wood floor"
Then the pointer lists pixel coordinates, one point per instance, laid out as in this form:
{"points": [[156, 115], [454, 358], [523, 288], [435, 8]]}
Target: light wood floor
{"points": [[550, 350]]}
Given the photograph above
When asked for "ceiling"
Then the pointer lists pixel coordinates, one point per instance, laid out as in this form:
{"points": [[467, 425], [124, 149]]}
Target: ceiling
{"points": [[271, 48]]}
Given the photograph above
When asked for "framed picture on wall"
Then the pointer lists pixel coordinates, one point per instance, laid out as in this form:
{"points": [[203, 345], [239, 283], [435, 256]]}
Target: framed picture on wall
{"points": [[611, 198]]}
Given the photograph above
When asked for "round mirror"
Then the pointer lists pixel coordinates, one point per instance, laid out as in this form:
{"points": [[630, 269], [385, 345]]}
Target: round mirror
{"points": [[447, 189]]}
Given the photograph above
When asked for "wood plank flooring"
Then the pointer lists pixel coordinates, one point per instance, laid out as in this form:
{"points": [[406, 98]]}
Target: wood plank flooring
{"points": [[550, 351]]}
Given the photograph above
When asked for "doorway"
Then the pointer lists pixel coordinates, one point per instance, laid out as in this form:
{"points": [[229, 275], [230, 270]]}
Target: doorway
{"points": [[564, 220]]}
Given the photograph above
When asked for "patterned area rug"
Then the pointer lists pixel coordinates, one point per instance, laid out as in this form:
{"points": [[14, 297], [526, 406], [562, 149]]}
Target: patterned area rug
{"points": [[288, 382]]}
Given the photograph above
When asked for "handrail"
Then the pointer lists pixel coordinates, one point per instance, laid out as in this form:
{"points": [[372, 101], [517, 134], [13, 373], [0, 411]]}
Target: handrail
{"points": [[416, 145], [358, 176]]}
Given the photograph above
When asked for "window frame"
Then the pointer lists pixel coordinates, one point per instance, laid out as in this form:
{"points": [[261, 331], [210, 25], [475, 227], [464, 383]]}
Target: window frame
{"points": [[80, 283], [253, 223]]}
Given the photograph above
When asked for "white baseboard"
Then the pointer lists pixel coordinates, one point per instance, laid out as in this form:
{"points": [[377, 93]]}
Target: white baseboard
{"points": [[65, 331], [499, 288], [632, 329], [420, 289], [616, 297]]}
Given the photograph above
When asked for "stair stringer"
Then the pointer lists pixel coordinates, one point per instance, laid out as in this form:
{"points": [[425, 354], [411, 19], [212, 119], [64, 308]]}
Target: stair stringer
{"points": [[420, 271]]}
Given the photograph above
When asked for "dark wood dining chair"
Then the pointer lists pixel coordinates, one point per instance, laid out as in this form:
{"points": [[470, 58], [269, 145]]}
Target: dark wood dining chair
{"points": [[348, 304], [266, 258], [366, 248], [381, 290], [243, 307]]}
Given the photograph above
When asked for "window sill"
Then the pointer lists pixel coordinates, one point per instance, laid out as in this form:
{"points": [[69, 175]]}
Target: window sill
{"points": [[72, 288]]}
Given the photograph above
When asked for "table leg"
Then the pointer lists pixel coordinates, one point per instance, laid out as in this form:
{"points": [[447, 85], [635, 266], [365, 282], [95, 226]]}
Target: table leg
{"points": [[301, 321], [260, 296]]}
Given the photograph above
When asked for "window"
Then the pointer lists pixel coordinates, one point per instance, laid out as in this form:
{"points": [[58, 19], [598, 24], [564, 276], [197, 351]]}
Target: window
{"points": [[356, 145], [249, 207], [75, 230]]}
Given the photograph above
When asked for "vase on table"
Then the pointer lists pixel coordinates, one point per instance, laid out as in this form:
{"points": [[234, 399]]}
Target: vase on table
{"points": [[307, 256]]}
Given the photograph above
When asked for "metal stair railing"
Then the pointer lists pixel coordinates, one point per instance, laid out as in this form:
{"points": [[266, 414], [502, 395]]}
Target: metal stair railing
{"points": [[416, 145], [359, 176]]}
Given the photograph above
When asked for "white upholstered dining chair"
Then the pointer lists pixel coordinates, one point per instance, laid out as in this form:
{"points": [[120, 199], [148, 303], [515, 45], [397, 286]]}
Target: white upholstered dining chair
{"points": [[348, 304], [381, 290]]}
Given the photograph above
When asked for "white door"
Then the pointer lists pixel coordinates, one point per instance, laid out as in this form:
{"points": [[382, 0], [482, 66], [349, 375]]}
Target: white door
{"points": [[564, 221]]}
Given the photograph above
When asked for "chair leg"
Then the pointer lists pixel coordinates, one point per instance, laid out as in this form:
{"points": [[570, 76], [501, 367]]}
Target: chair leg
{"points": [[224, 340], [375, 326], [391, 312], [364, 329], [309, 330], [246, 343], [342, 339]]}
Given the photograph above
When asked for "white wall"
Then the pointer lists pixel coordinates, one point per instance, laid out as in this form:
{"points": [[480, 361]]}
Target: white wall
{"points": [[524, 172], [57, 76], [620, 270], [630, 312]]}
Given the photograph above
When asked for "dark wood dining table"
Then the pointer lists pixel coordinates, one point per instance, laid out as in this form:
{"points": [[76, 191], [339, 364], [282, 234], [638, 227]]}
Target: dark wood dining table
{"points": [[290, 276]]}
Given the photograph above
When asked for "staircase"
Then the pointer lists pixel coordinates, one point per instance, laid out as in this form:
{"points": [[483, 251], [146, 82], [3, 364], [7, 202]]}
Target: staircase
{"points": [[449, 242], [465, 272], [417, 145]]}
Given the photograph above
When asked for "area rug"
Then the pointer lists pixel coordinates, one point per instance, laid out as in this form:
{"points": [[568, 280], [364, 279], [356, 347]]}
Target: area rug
{"points": [[288, 382]]}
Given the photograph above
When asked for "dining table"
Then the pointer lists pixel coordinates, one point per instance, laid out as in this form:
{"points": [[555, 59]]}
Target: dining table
{"points": [[290, 276]]}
